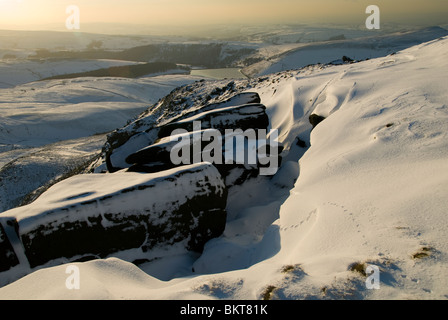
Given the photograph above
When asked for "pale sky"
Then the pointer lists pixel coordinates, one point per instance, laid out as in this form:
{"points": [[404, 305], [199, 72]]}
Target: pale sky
{"points": [[36, 14]]}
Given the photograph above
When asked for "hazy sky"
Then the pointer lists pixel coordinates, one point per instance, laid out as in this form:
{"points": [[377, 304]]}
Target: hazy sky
{"points": [[36, 14]]}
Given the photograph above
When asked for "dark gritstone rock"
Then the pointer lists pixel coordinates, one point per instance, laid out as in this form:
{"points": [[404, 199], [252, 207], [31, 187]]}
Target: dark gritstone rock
{"points": [[237, 100], [158, 156], [144, 131], [244, 121], [315, 119], [250, 116], [153, 204], [8, 257], [120, 211]]}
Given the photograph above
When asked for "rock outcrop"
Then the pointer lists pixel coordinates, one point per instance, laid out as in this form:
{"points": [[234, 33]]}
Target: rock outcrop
{"points": [[96, 215], [248, 116], [242, 115], [144, 131], [147, 201]]}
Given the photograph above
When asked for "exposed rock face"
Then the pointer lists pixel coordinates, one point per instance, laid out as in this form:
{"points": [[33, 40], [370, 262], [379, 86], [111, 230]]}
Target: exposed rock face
{"points": [[97, 215], [249, 116], [147, 201], [150, 150], [8, 257], [145, 130], [233, 168], [236, 100], [315, 119]]}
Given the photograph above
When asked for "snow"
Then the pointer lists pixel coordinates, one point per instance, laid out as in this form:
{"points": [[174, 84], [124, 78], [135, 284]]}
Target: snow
{"points": [[288, 56], [16, 72], [155, 201], [43, 112], [371, 189], [49, 128]]}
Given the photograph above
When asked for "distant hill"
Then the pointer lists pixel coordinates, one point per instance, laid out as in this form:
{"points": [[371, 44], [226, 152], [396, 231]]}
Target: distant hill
{"points": [[209, 55], [130, 71]]}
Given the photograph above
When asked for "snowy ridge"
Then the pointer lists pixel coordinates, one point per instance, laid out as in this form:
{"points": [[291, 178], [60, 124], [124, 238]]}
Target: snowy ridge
{"points": [[370, 190], [293, 56]]}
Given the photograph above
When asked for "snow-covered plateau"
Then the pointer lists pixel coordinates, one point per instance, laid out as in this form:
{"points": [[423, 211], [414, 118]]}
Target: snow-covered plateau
{"points": [[366, 187]]}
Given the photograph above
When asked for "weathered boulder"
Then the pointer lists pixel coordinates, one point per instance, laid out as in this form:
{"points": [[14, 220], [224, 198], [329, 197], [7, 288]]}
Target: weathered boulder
{"points": [[8, 258], [116, 158], [145, 130], [236, 100], [248, 116], [97, 215], [157, 156], [315, 119], [236, 156]]}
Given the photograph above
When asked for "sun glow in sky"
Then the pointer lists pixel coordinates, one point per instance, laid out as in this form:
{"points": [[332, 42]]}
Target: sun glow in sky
{"points": [[40, 14]]}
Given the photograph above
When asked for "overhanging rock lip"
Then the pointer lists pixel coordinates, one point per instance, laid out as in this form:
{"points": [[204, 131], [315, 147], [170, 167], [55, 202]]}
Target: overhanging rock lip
{"points": [[118, 183]]}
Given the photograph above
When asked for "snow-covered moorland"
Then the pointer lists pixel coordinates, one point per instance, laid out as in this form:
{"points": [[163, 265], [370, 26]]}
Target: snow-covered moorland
{"points": [[49, 128], [366, 186]]}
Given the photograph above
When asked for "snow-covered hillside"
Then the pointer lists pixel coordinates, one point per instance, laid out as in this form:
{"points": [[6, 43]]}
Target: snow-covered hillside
{"points": [[276, 58], [51, 128], [15, 72], [367, 187]]}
